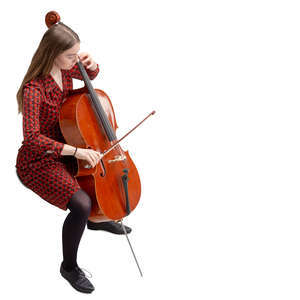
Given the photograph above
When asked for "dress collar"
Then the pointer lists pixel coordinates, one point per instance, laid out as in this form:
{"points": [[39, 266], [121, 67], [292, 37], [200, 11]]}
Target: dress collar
{"points": [[51, 85]]}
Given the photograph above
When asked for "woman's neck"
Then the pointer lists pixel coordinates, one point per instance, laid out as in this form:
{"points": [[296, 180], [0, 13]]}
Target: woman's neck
{"points": [[55, 70]]}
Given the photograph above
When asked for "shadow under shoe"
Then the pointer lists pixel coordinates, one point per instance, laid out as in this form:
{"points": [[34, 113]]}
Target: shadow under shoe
{"points": [[77, 279], [111, 226]]}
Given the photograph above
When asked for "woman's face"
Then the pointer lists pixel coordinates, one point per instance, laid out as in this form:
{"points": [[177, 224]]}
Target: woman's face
{"points": [[68, 58]]}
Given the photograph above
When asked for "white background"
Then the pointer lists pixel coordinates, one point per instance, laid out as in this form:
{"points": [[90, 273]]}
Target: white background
{"points": [[219, 162]]}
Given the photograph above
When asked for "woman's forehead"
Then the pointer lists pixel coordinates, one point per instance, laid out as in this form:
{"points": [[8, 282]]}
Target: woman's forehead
{"points": [[74, 49]]}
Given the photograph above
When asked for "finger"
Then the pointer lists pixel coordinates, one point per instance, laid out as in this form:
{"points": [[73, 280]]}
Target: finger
{"points": [[86, 65], [89, 159], [89, 65], [97, 155], [87, 62], [92, 160], [97, 152], [83, 61], [84, 58], [83, 55], [96, 159]]}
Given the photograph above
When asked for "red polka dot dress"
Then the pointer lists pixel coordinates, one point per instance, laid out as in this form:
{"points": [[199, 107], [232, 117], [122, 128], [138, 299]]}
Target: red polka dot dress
{"points": [[39, 164]]}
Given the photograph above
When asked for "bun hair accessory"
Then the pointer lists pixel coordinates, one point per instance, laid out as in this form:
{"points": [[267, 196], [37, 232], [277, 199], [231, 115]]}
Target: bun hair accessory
{"points": [[52, 17]]}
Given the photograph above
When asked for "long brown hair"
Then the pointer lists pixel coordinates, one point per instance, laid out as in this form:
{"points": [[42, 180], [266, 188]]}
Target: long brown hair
{"points": [[58, 38]]}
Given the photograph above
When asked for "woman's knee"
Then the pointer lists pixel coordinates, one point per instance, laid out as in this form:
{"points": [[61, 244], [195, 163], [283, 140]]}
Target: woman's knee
{"points": [[80, 203]]}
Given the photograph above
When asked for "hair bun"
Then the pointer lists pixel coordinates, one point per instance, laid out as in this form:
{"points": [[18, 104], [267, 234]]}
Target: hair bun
{"points": [[52, 17]]}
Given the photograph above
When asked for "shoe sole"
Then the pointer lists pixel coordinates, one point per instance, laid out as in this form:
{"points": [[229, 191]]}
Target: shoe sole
{"points": [[76, 287], [119, 233]]}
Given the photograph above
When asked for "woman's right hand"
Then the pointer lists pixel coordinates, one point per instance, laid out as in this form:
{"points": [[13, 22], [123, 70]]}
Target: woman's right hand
{"points": [[91, 156]]}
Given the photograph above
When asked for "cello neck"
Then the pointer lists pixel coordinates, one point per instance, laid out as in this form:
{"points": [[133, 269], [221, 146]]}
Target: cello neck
{"points": [[102, 117]]}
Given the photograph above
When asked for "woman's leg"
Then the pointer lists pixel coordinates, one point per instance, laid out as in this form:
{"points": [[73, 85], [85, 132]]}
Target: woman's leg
{"points": [[80, 207]]}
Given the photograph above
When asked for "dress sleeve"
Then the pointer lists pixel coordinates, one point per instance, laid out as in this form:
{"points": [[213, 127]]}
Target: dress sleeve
{"points": [[37, 142], [75, 73]]}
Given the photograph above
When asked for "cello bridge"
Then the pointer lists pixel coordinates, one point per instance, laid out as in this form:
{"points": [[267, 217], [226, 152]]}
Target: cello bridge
{"points": [[117, 158]]}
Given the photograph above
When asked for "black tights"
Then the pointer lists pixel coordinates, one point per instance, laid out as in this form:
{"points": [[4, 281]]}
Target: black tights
{"points": [[80, 207]]}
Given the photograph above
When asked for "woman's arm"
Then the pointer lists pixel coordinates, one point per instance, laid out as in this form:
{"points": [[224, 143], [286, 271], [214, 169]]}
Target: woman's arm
{"points": [[33, 139], [68, 150], [75, 73]]}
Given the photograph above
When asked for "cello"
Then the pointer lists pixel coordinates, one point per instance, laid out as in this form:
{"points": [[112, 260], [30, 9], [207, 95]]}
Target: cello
{"points": [[87, 120]]}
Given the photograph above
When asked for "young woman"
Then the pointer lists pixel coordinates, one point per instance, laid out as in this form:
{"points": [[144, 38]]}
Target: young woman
{"points": [[45, 163]]}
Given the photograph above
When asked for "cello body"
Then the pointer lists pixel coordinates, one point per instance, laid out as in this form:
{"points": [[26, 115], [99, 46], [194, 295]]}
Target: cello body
{"points": [[113, 184]]}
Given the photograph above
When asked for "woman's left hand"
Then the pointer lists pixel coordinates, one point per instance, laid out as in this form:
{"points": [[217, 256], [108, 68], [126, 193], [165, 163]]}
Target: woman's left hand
{"points": [[87, 61]]}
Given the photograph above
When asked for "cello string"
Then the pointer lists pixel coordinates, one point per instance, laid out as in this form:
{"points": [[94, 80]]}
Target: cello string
{"points": [[131, 248], [98, 109]]}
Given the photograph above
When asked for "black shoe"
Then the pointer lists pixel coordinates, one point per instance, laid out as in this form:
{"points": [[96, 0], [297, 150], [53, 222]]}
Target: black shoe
{"points": [[77, 279], [113, 227]]}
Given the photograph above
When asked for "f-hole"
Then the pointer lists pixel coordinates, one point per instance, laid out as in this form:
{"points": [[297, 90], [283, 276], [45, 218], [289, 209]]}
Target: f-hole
{"points": [[102, 174]]}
